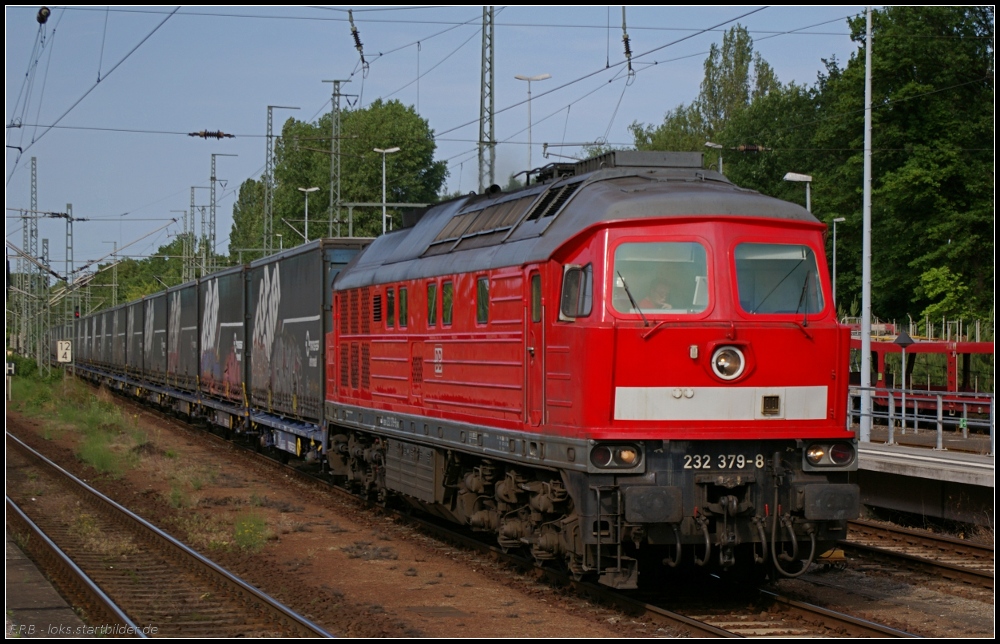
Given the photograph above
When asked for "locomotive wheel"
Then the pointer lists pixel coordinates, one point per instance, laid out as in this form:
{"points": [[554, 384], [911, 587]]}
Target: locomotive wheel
{"points": [[574, 565], [509, 548]]}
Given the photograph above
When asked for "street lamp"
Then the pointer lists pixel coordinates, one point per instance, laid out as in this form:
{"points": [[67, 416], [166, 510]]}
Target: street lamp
{"points": [[835, 220], [306, 191], [539, 77], [716, 146], [383, 153], [805, 178], [904, 340]]}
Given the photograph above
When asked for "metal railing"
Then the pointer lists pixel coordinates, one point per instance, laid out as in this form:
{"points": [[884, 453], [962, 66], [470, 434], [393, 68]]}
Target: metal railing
{"points": [[913, 410]]}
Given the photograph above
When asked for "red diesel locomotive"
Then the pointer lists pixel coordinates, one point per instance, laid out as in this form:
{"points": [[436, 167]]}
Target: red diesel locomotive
{"points": [[628, 365], [631, 361]]}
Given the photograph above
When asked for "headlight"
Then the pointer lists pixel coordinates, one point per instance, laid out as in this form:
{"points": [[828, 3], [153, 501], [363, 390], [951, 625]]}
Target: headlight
{"points": [[815, 454], [728, 363], [615, 456], [842, 453], [601, 456], [830, 454], [627, 456]]}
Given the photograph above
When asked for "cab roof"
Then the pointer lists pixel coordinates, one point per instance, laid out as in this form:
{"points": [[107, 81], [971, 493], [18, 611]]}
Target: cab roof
{"points": [[494, 230]]}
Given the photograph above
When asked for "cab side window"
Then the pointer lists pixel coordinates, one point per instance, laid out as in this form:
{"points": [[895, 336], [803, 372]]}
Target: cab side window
{"points": [[536, 298], [577, 292], [431, 304], [402, 307], [390, 308], [482, 300], [447, 302]]}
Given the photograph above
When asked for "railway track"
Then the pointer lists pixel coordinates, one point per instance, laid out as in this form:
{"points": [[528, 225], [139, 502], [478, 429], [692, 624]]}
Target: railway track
{"points": [[154, 580], [939, 555], [770, 614], [777, 616]]}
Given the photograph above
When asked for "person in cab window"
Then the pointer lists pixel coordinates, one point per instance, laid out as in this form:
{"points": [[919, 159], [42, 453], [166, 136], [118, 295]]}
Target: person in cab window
{"points": [[657, 298]]}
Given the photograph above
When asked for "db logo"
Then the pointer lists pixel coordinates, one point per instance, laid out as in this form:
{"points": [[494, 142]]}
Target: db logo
{"points": [[438, 360]]}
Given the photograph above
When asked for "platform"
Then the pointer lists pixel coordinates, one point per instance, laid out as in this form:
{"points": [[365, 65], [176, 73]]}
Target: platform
{"points": [[33, 607], [955, 483], [962, 459]]}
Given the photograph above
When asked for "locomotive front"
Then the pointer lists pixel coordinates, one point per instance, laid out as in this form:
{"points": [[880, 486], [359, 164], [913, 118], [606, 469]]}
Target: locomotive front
{"points": [[632, 364], [716, 387]]}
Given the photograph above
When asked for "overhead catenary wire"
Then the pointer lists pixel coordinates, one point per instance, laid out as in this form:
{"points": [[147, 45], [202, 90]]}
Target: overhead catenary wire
{"points": [[371, 60], [193, 12], [436, 65], [91, 89], [431, 36], [104, 37], [599, 71], [42, 39]]}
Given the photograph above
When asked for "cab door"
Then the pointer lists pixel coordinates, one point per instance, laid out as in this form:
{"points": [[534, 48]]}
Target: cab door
{"points": [[534, 349]]}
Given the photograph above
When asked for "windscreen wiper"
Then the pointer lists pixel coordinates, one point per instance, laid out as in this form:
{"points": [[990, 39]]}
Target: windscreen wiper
{"points": [[631, 299]]}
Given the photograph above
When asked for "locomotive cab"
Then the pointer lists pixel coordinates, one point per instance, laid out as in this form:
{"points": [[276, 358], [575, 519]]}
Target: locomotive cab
{"points": [[729, 383]]}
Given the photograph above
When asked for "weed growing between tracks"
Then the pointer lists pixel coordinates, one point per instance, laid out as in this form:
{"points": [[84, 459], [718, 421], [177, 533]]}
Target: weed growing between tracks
{"points": [[116, 547], [251, 531]]}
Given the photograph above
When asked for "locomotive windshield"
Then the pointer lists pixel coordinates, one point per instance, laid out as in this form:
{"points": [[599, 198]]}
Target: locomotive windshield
{"points": [[660, 278], [778, 278]]}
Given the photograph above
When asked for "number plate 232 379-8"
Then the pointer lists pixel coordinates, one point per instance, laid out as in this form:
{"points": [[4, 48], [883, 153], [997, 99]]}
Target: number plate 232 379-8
{"points": [[723, 461]]}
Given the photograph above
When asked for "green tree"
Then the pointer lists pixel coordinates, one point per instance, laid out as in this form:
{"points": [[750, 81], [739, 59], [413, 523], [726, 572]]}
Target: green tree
{"points": [[302, 160], [780, 125], [513, 184], [136, 278], [683, 129], [932, 167], [248, 222], [932, 161], [735, 77]]}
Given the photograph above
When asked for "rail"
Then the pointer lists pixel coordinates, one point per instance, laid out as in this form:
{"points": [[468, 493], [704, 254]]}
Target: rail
{"points": [[101, 608], [236, 597], [909, 408]]}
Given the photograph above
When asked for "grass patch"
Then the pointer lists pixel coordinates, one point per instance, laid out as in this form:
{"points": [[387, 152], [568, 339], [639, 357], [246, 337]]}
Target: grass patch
{"points": [[107, 436], [178, 498], [30, 396], [204, 531], [100, 451], [95, 539], [250, 531], [22, 539]]}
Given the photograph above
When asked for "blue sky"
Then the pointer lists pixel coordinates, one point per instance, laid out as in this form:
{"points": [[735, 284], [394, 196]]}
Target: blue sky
{"points": [[119, 152]]}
